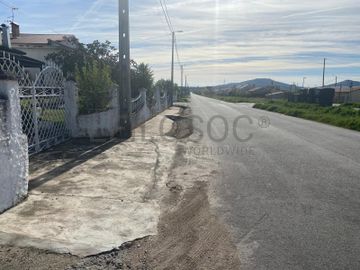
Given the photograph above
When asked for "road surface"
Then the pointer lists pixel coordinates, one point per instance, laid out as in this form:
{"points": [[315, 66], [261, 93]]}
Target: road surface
{"points": [[290, 188]]}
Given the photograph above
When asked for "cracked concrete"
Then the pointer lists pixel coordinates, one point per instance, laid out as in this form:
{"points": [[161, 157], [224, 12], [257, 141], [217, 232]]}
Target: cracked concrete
{"points": [[155, 171], [95, 203]]}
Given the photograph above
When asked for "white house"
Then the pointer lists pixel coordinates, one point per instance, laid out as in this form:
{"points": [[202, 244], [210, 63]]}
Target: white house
{"points": [[38, 46]]}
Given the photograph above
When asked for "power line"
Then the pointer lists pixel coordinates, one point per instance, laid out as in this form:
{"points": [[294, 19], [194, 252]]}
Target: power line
{"points": [[162, 17], [167, 12], [166, 15], [170, 26], [323, 82], [6, 4], [13, 8], [174, 45]]}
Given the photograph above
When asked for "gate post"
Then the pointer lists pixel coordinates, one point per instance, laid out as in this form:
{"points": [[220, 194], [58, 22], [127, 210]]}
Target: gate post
{"points": [[71, 107], [14, 160], [158, 100]]}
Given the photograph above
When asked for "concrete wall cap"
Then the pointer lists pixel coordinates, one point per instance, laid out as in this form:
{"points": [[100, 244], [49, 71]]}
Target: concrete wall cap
{"points": [[6, 76]]}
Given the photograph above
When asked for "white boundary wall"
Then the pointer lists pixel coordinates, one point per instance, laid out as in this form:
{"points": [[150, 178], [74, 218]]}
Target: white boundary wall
{"points": [[13, 148], [106, 124], [95, 125]]}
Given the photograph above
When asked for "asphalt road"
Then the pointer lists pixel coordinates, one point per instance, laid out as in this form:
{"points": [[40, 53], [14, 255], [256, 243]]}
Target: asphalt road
{"points": [[290, 188]]}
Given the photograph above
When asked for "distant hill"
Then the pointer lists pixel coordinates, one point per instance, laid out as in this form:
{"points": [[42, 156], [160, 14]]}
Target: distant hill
{"points": [[260, 87], [256, 83], [346, 83]]}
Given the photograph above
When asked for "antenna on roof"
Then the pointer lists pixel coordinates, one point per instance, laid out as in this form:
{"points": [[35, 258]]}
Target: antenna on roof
{"points": [[13, 9]]}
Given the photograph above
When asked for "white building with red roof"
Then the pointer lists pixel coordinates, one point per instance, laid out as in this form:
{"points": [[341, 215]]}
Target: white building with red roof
{"points": [[38, 46]]}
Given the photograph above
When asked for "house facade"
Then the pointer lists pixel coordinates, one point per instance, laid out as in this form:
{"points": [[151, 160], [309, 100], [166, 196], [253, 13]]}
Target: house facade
{"points": [[38, 46]]}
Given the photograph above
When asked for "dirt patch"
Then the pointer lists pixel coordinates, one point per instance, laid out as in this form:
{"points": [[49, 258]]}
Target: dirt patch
{"points": [[13, 258], [182, 126], [190, 237]]}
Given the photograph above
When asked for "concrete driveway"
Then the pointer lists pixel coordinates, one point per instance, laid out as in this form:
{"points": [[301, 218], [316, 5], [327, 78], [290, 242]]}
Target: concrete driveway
{"points": [[96, 200]]}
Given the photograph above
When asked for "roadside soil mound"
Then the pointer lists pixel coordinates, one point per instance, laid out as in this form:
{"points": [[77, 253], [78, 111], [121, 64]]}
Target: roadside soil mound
{"points": [[190, 237]]}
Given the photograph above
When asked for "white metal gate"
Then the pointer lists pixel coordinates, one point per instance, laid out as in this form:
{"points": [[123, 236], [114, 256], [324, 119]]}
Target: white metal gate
{"points": [[42, 102]]}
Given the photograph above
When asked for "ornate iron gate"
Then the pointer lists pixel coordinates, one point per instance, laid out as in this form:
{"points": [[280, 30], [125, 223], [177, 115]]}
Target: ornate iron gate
{"points": [[42, 102]]}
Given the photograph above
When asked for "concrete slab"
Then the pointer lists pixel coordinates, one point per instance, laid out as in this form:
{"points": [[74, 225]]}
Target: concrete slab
{"points": [[101, 202]]}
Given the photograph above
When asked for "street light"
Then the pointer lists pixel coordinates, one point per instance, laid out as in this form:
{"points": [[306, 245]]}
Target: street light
{"points": [[172, 66]]}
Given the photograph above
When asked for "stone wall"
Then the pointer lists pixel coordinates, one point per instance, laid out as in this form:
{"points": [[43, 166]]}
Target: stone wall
{"points": [[13, 148]]}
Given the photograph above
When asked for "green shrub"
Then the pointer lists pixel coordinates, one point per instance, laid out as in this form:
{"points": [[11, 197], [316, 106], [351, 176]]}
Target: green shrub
{"points": [[346, 116], [295, 113], [94, 82], [272, 108]]}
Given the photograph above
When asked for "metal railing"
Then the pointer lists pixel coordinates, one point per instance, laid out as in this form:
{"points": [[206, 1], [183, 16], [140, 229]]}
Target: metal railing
{"points": [[137, 104], [42, 102]]}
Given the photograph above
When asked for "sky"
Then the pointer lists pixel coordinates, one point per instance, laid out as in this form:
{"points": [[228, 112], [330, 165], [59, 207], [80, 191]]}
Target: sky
{"points": [[222, 40]]}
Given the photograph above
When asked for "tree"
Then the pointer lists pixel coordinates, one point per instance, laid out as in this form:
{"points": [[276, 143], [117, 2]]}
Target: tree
{"points": [[94, 84], [79, 55], [141, 77], [69, 58], [163, 85], [106, 57]]}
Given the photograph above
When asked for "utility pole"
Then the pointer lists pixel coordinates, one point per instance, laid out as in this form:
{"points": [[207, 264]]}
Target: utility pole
{"points": [[323, 83], [303, 84], [172, 66], [172, 69], [182, 76], [13, 9], [187, 90], [336, 81], [350, 94], [125, 82]]}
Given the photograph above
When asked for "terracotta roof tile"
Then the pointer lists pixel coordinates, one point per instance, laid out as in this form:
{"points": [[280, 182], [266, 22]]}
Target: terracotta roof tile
{"points": [[40, 38]]}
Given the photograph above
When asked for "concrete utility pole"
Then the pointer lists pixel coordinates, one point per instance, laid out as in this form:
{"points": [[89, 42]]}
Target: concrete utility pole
{"points": [[303, 84], [125, 86], [323, 83], [182, 76], [172, 69], [172, 66]]}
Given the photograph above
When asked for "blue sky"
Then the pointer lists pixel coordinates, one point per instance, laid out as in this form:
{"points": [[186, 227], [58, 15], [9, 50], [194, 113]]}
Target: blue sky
{"points": [[231, 40]]}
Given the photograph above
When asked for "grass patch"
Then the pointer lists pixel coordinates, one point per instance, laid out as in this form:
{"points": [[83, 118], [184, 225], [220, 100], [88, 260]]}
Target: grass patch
{"points": [[56, 116], [184, 99], [346, 116]]}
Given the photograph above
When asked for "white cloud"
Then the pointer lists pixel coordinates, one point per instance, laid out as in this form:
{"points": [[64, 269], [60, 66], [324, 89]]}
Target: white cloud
{"points": [[230, 39]]}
